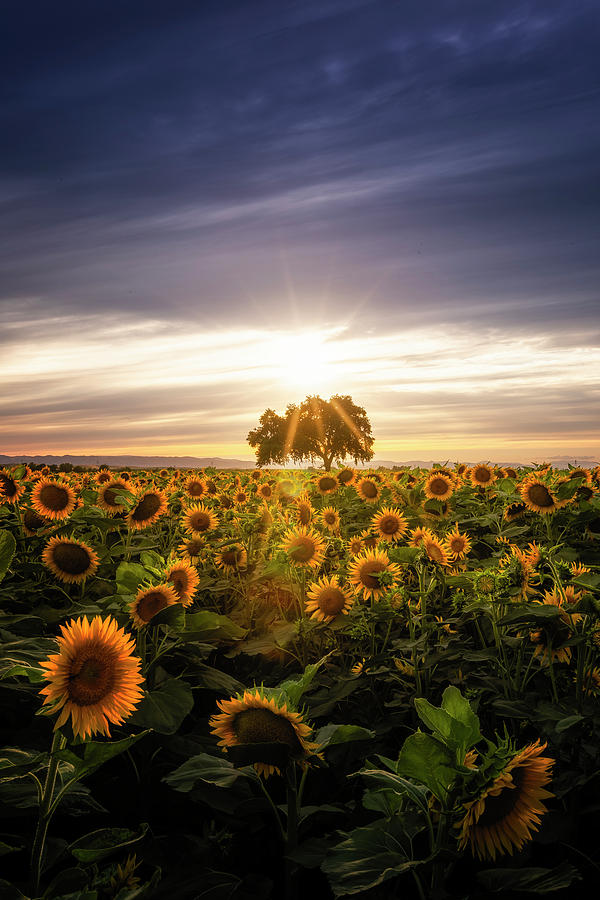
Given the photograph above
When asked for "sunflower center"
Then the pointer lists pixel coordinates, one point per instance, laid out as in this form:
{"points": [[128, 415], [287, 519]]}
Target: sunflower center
{"points": [[329, 518], [54, 497], [540, 495], [231, 557], [265, 490], [180, 581], [110, 494], [499, 808], [92, 676], [438, 486], [434, 552], [71, 558], [262, 726], [482, 475], [103, 477], [369, 570], [331, 601], [7, 485], [303, 549], [345, 476], [304, 514], [327, 483], [32, 521], [200, 521], [369, 489], [146, 508], [457, 543], [194, 547], [151, 604], [196, 489], [389, 525]]}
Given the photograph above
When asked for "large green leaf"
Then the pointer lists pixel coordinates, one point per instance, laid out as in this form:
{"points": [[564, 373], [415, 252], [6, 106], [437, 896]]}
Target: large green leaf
{"points": [[130, 576], [106, 841], [86, 758], [459, 708], [164, 709], [8, 545], [297, 685], [528, 880], [367, 857], [205, 625], [448, 730], [330, 735], [429, 762], [203, 767]]}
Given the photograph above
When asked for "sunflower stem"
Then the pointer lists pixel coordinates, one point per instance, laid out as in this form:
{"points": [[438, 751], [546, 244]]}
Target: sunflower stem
{"points": [[291, 841], [46, 810]]}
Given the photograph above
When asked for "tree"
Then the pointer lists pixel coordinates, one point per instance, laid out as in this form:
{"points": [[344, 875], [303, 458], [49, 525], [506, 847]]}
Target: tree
{"points": [[316, 429]]}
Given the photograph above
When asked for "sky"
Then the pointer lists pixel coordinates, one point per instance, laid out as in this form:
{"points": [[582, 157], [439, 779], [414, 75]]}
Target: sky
{"points": [[208, 209]]}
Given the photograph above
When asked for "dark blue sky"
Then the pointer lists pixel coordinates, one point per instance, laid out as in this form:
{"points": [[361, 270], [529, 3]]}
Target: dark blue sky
{"points": [[377, 166]]}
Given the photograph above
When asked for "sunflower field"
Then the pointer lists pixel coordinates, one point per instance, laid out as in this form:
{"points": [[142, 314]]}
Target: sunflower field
{"points": [[255, 684]]}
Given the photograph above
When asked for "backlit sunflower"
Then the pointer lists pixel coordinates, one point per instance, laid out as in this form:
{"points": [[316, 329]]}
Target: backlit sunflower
{"points": [[330, 518], [150, 506], [537, 496], [252, 718], [514, 511], [102, 476], [192, 548], [326, 484], [503, 817], [195, 487], [53, 499], [198, 519], [482, 475], [151, 600], [435, 551], [458, 544], [71, 561], [365, 569], [304, 509], [346, 476], [438, 486], [390, 524], [355, 546], [328, 599], [108, 493], [232, 558], [304, 547], [368, 489], [10, 488], [94, 678], [33, 522], [184, 578]]}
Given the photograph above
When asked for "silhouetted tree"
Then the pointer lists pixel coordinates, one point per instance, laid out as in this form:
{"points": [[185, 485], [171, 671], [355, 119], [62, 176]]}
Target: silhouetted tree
{"points": [[330, 430]]}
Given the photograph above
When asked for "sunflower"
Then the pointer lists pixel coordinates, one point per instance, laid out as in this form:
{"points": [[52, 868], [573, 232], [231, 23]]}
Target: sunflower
{"points": [[265, 491], [368, 489], [482, 475], [198, 519], [537, 497], [304, 547], [390, 523], [365, 569], [458, 544], [151, 600], [33, 522], [53, 499], [502, 818], [369, 539], [330, 518], [150, 507], [418, 535], [346, 476], [232, 558], [102, 476], [108, 493], [514, 511], [184, 578], [328, 599], [252, 718], [355, 545], [551, 639], [10, 488], [93, 678], [326, 484], [435, 551], [304, 509], [71, 561], [256, 475], [438, 485], [192, 548]]}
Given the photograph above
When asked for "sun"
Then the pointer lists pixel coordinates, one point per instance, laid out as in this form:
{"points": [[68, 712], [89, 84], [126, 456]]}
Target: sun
{"points": [[303, 360]]}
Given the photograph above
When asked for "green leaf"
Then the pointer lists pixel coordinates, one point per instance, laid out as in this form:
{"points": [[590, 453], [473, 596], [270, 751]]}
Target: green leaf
{"points": [[95, 753], [173, 616], [210, 626], [459, 708], [528, 880], [164, 709], [429, 762], [106, 841], [568, 722], [446, 729], [294, 687], [402, 786], [203, 767], [367, 857], [32, 674], [5, 849], [8, 891], [533, 612], [330, 735], [130, 576], [8, 545]]}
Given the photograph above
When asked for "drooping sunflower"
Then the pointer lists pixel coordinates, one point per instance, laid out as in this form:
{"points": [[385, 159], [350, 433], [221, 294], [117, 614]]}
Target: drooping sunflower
{"points": [[304, 509], [418, 535], [390, 524], [368, 490], [326, 484], [10, 488], [435, 551], [198, 519], [304, 547], [330, 518], [482, 475], [438, 486], [33, 522], [151, 506], [346, 476], [151, 600], [232, 558], [328, 599], [252, 718], [192, 548], [537, 496], [365, 569], [184, 578], [94, 678], [503, 817], [514, 511], [458, 544], [71, 561], [53, 500], [108, 493]]}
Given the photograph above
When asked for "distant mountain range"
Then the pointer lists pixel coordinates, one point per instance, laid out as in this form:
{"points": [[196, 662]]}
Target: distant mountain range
{"points": [[204, 462]]}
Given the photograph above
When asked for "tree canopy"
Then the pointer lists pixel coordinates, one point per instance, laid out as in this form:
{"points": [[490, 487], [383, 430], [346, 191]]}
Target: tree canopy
{"points": [[329, 430]]}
